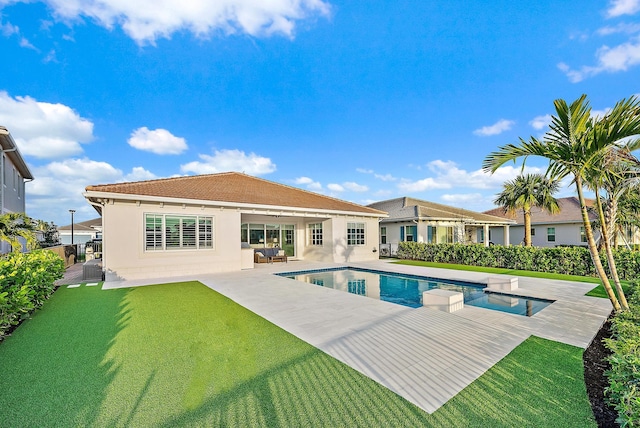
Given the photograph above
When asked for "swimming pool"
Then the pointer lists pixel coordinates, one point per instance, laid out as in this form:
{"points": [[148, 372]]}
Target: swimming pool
{"points": [[407, 290]]}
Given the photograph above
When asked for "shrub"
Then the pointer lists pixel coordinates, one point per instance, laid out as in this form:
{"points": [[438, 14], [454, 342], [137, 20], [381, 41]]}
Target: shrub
{"points": [[566, 260], [26, 281], [624, 376]]}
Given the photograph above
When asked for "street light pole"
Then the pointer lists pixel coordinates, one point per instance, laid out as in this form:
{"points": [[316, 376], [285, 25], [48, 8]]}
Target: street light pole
{"points": [[72, 211]]}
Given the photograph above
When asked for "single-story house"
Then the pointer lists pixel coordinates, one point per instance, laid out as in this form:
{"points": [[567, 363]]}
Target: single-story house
{"points": [[214, 223], [413, 219], [14, 173], [548, 230], [83, 231]]}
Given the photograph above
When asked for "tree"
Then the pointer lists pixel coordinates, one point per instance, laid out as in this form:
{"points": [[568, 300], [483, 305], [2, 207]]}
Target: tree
{"points": [[14, 226], [575, 145], [48, 233], [525, 192]]}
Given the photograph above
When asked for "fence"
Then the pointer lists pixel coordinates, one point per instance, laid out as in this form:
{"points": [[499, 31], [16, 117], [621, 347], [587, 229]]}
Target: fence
{"points": [[388, 250], [78, 252]]}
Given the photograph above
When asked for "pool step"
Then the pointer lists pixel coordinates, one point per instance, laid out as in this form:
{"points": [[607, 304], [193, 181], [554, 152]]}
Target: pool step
{"points": [[443, 300]]}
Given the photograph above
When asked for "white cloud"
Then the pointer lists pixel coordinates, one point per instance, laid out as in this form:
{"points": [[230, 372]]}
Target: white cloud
{"points": [[138, 173], [355, 187], [623, 28], [159, 141], [611, 60], [145, 21], [447, 175], [230, 160], [428, 183], [59, 185], [386, 177], [623, 7], [44, 130], [364, 171], [309, 183], [540, 122], [334, 187], [24, 43], [8, 29], [462, 198], [497, 128]]}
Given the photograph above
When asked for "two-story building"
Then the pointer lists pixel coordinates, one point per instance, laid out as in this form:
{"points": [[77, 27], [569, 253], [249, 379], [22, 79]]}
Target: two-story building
{"points": [[14, 173]]}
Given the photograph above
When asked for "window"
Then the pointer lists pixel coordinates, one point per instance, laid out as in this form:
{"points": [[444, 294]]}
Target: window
{"points": [[357, 286], [355, 233], [315, 234], [583, 234], [533, 231], [432, 234], [172, 232], [383, 235], [408, 233], [551, 234]]}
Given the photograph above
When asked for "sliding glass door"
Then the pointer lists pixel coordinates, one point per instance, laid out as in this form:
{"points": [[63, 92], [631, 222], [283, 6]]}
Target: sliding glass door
{"points": [[269, 236]]}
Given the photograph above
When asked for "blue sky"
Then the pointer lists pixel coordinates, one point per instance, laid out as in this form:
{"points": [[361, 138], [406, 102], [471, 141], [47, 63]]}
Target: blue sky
{"points": [[363, 101]]}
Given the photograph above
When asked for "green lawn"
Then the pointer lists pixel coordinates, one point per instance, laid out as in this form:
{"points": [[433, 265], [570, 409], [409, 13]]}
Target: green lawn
{"points": [[597, 291], [183, 355]]}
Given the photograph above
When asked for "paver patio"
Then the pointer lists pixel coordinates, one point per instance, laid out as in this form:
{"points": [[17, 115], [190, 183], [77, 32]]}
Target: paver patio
{"points": [[424, 355]]}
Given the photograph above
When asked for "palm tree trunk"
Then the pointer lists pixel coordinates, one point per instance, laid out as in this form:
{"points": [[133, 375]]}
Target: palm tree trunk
{"points": [[527, 227], [607, 246], [593, 249]]}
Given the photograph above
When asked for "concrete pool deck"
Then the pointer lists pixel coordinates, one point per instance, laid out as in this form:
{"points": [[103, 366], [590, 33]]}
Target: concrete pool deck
{"points": [[424, 355]]}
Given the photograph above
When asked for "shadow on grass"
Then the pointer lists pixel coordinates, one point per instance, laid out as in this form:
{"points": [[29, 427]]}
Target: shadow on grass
{"points": [[52, 366], [184, 355]]}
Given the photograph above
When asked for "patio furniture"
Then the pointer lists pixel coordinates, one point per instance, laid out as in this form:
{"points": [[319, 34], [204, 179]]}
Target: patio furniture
{"points": [[280, 256], [260, 257]]}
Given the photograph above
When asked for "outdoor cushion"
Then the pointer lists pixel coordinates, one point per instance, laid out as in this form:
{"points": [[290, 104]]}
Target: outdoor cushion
{"points": [[259, 254], [281, 253]]}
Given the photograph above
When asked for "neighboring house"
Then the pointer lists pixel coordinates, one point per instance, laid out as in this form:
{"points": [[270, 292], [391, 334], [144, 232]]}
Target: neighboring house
{"points": [[213, 223], [83, 231], [13, 175], [422, 221], [547, 230]]}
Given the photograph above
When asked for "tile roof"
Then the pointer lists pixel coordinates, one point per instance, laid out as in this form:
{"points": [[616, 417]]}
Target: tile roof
{"points": [[411, 208], [569, 213], [233, 187], [84, 225]]}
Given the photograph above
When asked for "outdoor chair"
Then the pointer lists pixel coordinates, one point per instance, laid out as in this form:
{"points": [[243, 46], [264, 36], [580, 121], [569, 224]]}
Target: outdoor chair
{"points": [[259, 257]]}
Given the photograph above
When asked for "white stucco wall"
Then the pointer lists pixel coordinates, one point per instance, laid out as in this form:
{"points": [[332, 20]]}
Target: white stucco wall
{"points": [[125, 256], [566, 234], [343, 253]]}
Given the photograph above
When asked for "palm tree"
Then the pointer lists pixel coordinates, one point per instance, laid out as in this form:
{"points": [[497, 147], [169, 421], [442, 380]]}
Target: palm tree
{"points": [[14, 226], [574, 145], [525, 192]]}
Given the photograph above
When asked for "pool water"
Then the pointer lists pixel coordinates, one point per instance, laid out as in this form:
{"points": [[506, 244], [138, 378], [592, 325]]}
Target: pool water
{"points": [[407, 290]]}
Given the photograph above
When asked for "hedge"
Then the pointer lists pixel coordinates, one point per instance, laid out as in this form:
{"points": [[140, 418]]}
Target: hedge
{"points": [[624, 376], [26, 281], [565, 260]]}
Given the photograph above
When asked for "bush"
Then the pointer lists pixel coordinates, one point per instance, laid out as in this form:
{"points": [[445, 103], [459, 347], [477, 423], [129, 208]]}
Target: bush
{"points": [[624, 376], [26, 281], [565, 260]]}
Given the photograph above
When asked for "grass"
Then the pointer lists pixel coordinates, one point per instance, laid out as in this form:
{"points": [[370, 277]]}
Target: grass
{"points": [[183, 355], [597, 291]]}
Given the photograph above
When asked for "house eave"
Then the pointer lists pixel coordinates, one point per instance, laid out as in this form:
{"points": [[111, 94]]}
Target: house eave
{"points": [[244, 208]]}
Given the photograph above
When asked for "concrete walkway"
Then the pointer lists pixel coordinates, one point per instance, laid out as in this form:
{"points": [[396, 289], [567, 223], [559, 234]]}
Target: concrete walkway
{"points": [[424, 355]]}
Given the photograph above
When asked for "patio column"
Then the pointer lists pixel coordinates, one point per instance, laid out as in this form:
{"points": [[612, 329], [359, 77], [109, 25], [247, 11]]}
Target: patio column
{"points": [[506, 235], [486, 235]]}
